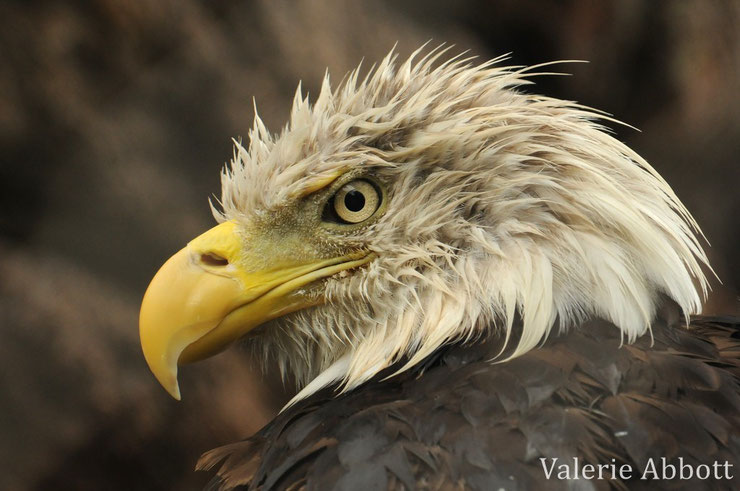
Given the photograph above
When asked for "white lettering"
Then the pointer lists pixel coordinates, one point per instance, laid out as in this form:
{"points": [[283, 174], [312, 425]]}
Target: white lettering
{"points": [[625, 471], [727, 466], [700, 468], [668, 467], [649, 469], [548, 472], [668, 470]]}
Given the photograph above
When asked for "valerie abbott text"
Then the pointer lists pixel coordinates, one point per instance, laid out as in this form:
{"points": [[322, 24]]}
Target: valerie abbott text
{"points": [[654, 469]]}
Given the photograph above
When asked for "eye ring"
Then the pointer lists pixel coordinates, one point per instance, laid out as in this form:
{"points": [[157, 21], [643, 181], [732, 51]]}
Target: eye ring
{"points": [[356, 201]]}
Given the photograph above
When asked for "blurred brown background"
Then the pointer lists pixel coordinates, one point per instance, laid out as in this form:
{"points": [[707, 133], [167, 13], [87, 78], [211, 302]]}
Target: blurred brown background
{"points": [[116, 116]]}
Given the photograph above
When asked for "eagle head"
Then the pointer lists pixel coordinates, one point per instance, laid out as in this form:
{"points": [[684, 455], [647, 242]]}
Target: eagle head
{"points": [[429, 202]]}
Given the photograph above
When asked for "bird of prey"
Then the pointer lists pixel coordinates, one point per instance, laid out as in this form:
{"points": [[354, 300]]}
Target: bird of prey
{"points": [[474, 287]]}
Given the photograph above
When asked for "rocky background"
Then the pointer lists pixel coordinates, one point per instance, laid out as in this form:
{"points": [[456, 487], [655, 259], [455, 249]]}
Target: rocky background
{"points": [[116, 116]]}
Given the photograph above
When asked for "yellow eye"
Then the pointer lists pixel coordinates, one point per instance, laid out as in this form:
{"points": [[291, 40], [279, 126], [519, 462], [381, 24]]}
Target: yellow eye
{"points": [[356, 201]]}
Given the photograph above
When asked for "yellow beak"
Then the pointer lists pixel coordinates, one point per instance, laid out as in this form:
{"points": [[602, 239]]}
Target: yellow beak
{"points": [[213, 292]]}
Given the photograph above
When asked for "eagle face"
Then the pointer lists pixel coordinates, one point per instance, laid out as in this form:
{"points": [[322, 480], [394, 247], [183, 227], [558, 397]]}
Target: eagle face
{"points": [[427, 203]]}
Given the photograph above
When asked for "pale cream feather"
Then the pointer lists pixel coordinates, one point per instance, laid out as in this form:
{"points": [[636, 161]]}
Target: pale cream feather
{"points": [[499, 202]]}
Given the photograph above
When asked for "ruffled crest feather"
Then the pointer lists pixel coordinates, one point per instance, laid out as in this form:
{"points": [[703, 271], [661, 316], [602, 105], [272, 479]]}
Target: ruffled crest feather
{"points": [[500, 203]]}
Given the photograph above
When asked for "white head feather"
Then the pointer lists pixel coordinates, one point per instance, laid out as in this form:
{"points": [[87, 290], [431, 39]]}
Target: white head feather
{"points": [[499, 202]]}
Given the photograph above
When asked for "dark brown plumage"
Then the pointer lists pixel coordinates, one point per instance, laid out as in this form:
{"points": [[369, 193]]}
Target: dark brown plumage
{"points": [[468, 424]]}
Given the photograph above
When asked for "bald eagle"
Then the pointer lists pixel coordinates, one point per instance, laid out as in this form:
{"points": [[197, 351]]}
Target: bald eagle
{"points": [[475, 288]]}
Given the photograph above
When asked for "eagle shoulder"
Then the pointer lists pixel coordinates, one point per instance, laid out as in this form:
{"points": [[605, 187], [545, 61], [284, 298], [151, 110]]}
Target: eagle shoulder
{"points": [[458, 421]]}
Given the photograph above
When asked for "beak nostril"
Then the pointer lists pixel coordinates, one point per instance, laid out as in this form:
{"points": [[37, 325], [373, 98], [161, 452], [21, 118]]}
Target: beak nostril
{"points": [[212, 259]]}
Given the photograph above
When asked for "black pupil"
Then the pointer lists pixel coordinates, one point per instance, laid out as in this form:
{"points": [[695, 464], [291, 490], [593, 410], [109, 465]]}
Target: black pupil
{"points": [[354, 200]]}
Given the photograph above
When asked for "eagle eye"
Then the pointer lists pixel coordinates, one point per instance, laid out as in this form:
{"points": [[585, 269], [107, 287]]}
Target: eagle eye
{"points": [[355, 202]]}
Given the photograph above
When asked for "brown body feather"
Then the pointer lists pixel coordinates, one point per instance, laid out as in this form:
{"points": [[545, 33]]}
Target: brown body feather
{"points": [[457, 421]]}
